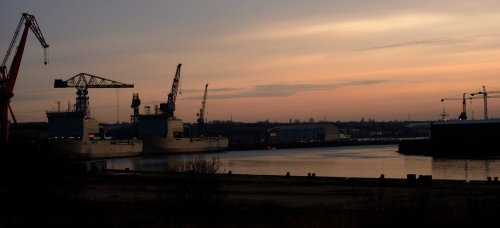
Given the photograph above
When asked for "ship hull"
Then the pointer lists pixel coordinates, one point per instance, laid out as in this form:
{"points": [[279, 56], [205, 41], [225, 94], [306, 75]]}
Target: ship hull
{"points": [[78, 149], [157, 145], [470, 138]]}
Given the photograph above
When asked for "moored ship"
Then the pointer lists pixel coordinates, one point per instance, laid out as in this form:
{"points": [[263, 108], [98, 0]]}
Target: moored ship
{"points": [[76, 134], [73, 135], [161, 132], [468, 138], [175, 141]]}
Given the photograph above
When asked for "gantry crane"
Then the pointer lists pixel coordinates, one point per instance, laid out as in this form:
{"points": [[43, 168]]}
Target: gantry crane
{"points": [[84, 81], [8, 77], [201, 114], [485, 98], [169, 107]]}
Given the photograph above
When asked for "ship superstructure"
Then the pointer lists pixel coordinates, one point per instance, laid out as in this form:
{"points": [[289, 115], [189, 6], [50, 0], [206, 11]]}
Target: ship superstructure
{"points": [[162, 132], [74, 133]]}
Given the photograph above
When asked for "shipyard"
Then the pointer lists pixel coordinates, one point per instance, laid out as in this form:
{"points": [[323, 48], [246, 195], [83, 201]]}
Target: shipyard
{"points": [[258, 114]]}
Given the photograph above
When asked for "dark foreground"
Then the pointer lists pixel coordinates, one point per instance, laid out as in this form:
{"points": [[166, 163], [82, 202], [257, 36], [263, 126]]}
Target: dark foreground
{"points": [[47, 196]]}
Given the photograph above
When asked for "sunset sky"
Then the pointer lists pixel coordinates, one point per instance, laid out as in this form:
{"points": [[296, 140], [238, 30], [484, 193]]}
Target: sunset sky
{"points": [[263, 59]]}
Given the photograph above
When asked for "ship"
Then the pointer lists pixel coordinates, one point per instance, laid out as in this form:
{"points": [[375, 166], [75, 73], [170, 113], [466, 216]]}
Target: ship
{"points": [[75, 134], [468, 138], [177, 141], [163, 133], [461, 137]]}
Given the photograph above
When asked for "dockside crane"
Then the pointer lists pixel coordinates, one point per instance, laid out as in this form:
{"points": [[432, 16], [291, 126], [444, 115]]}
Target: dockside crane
{"points": [[84, 81], [136, 102], [169, 107], [201, 114], [8, 77], [485, 98]]}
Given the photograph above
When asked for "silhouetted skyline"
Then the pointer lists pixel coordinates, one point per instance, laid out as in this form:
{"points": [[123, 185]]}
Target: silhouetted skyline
{"points": [[276, 60]]}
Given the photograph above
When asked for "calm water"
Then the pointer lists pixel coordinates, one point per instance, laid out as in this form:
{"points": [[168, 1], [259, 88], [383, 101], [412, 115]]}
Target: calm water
{"points": [[352, 161]]}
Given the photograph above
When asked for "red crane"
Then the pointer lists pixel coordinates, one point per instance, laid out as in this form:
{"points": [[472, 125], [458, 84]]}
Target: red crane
{"points": [[8, 78]]}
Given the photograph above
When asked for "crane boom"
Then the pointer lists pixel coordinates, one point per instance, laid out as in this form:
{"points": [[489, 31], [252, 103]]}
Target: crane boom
{"points": [[8, 78], [463, 114], [201, 115], [485, 98], [84, 81], [169, 107]]}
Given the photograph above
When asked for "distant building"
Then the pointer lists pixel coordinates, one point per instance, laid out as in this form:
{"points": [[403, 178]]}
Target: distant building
{"points": [[421, 128], [247, 136], [303, 133]]}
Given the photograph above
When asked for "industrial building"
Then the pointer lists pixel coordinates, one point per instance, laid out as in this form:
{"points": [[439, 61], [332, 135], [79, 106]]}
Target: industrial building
{"points": [[303, 133]]}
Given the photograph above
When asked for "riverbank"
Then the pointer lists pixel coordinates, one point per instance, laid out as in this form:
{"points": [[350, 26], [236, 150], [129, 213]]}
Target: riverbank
{"points": [[158, 199]]}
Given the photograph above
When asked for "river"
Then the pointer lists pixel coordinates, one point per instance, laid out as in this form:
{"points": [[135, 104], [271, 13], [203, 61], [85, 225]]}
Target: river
{"points": [[347, 161]]}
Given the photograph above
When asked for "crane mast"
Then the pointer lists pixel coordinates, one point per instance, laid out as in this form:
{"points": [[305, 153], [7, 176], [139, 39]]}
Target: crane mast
{"points": [[136, 102], [84, 81], [8, 78], [463, 114], [169, 107], [485, 99], [201, 115]]}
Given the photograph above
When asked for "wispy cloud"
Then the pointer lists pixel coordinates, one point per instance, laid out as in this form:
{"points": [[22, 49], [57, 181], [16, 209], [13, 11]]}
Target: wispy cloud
{"points": [[429, 42], [417, 43], [316, 27], [284, 89], [212, 90]]}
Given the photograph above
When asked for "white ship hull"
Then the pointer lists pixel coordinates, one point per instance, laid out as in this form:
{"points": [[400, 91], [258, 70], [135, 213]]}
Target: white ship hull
{"points": [[157, 145], [74, 149]]}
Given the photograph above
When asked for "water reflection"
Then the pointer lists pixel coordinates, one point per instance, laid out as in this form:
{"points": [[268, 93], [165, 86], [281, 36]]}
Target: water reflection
{"points": [[466, 169], [353, 161]]}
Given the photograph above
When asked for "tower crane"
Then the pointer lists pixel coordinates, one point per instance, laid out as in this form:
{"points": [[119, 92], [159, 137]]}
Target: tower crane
{"points": [[485, 98], [169, 107], [84, 81], [8, 77], [201, 114], [463, 114]]}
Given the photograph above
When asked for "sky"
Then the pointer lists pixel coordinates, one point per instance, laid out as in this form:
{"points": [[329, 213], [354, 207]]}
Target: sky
{"points": [[263, 59]]}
